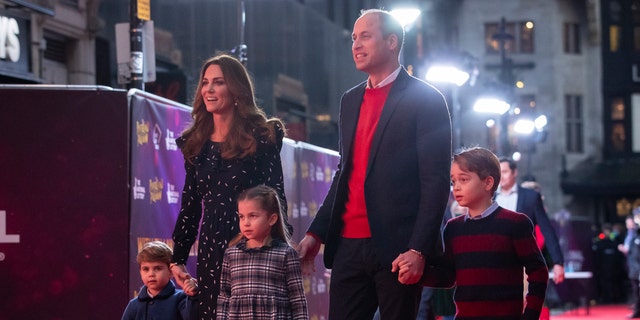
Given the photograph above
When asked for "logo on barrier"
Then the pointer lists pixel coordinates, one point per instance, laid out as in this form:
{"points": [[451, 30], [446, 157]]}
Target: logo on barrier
{"points": [[4, 237], [172, 195], [142, 131], [157, 136], [170, 141], [155, 190], [138, 189]]}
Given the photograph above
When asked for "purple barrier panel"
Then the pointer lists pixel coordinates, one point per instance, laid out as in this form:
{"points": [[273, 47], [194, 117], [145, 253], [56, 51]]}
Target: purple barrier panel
{"points": [[317, 167], [157, 175], [63, 202], [290, 173]]}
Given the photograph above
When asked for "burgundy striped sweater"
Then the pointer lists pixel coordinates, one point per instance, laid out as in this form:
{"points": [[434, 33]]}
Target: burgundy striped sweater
{"points": [[485, 258]]}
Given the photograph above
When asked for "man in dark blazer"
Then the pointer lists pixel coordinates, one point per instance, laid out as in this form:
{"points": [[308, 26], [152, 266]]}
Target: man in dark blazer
{"points": [[529, 201], [385, 205]]}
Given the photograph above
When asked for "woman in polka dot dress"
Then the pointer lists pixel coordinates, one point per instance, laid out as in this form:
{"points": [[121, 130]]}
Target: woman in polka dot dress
{"points": [[230, 146]]}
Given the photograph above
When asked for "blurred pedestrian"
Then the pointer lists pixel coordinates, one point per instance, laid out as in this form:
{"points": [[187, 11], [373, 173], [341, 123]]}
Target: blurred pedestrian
{"points": [[633, 261], [528, 201]]}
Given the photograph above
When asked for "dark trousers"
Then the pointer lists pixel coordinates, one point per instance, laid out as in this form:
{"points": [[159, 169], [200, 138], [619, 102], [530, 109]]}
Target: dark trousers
{"points": [[360, 284], [635, 295]]}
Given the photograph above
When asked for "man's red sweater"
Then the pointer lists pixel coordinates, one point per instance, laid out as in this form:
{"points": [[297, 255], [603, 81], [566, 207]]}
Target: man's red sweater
{"points": [[356, 222]]}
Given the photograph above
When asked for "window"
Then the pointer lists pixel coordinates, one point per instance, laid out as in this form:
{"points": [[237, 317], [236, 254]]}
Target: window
{"points": [[518, 37], [573, 123], [635, 19], [615, 38], [617, 109], [614, 12], [571, 38], [526, 37], [635, 122], [618, 133], [56, 49]]}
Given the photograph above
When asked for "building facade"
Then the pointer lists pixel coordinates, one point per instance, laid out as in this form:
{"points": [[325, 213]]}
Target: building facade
{"points": [[610, 181], [575, 61], [544, 56], [49, 42]]}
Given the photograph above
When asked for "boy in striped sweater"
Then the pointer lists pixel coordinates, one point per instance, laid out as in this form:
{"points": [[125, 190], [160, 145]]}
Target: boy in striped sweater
{"points": [[487, 249]]}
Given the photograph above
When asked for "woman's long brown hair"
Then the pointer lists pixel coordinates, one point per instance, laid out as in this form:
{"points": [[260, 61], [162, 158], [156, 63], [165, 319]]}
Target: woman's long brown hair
{"points": [[248, 117]]}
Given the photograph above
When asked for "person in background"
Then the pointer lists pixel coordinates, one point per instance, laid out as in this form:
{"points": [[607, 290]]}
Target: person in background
{"points": [[631, 248], [158, 297], [609, 266], [261, 275], [632, 229], [487, 248], [388, 196], [230, 146], [528, 201]]}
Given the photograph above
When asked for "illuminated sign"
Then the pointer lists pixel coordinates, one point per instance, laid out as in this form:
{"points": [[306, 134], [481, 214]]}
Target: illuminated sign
{"points": [[144, 10], [15, 49], [9, 41]]}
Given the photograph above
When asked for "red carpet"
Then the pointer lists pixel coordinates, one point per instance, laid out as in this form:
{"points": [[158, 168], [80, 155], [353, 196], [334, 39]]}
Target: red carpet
{"points": [[597, 312]]}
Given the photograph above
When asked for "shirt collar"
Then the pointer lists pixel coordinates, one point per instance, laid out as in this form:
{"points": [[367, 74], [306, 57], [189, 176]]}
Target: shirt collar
{"points": [[487, 212], [390, 78], [513, 190]]}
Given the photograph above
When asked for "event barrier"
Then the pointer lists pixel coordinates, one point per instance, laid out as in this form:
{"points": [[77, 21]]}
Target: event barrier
{"points": [[88, 175]]}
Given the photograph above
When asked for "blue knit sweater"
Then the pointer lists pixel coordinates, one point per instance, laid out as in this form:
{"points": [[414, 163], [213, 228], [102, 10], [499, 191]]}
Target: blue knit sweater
{"points": [[169, 304]]}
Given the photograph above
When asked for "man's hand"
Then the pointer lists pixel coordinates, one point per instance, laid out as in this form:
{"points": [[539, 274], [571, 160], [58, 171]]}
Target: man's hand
{"points": [[410, 266], [558, 273], [308, 250]]}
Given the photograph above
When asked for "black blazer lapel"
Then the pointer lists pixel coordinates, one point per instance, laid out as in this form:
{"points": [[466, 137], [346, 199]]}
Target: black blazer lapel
{"points": [[390, 105], [520, 203], [350, 109]]}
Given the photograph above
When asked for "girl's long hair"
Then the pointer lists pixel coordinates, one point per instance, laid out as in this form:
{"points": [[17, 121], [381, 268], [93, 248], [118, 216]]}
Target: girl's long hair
{"points": [[247, 119]]}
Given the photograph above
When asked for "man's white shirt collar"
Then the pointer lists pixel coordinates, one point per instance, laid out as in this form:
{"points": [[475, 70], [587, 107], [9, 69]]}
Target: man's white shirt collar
{"points": [[390, 78]]}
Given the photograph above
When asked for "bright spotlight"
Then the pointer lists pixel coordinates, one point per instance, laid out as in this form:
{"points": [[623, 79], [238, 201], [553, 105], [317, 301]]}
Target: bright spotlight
{"points": [[516, 156], [405, 16], [540, 122], [448, 74], [491, 105], [524, 126]]}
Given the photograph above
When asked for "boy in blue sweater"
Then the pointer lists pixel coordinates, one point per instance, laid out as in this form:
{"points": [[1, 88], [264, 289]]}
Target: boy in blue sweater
{"points": [[158, 297]]}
